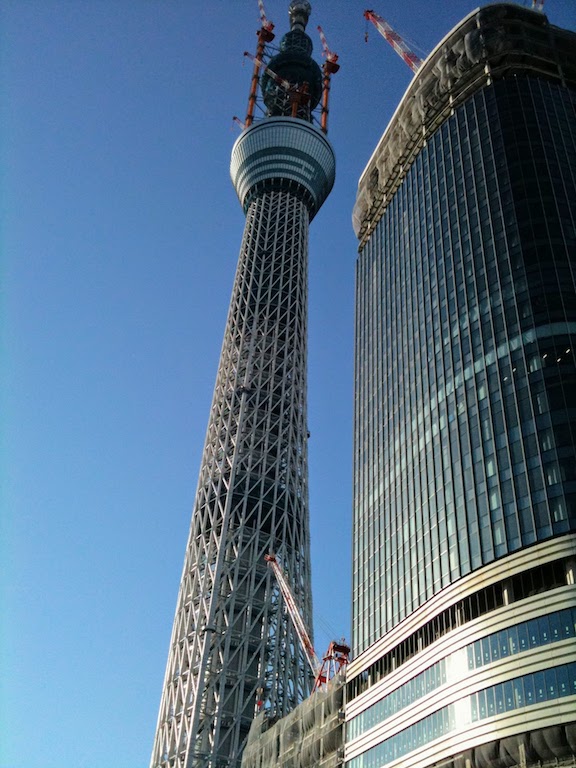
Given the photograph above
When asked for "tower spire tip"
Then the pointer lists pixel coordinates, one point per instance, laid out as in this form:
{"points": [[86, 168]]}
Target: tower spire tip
{"points": [[299, 13]]}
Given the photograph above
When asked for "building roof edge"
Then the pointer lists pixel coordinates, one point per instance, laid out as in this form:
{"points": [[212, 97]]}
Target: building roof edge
{"points": [[491, 43]]}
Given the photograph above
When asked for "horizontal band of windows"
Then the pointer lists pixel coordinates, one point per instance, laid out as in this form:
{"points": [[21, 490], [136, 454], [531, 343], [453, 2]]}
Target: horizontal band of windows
{"points": [[523, 691], [530, 582], [551, 628]]}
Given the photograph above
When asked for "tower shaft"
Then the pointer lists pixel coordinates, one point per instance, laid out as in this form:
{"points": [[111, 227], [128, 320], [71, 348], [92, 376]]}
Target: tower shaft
{"points": [[234, 649], [231, 646]]}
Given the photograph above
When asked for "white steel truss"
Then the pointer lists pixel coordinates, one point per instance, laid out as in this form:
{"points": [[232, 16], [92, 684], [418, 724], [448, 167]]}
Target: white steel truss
{"points": [[234, 649]]}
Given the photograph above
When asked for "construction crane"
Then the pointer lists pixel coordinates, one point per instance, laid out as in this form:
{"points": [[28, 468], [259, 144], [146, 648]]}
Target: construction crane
{"points": [[329, 68], [265, 35], [338, 653], [395, 40], [267, 25], [297, 93], [277, 79]]}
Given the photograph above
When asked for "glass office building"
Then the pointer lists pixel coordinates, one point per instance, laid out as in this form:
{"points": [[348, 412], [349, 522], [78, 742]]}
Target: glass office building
{"points": [[464, 602]]}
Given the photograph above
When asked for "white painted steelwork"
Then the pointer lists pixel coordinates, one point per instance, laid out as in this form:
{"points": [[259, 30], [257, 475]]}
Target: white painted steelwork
{"points": [[234, 651]]}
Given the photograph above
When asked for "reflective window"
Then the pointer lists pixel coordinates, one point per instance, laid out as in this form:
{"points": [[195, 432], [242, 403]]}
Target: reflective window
{"points": [[534, 633], [492, 701], [465, 369]]}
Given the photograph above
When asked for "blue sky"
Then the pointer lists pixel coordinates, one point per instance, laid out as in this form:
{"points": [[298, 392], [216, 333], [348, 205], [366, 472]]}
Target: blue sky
{"points": [[119, 236]]}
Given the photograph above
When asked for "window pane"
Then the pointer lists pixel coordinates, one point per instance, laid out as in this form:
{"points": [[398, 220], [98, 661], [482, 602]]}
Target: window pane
{"points": [[563, 681], [519, 698], [494, 647], [490, 701], [523, 642], [499, 694], [529, 689], [508, 696], [556, 626], [503, 643], [551, 687], [544, 628], [539, 686], [533, 633]]}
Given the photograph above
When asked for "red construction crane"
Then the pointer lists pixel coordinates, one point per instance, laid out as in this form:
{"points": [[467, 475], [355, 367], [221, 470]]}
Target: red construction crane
{"points": [[298, 94], [336, 657], [395, 40], [277, 79], [337, 654], [265, 35], [331, 57], [267, 25], [329, 68]]}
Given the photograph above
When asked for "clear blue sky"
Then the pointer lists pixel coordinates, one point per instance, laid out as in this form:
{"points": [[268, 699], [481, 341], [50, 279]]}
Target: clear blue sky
{"points": [[120, 232]]}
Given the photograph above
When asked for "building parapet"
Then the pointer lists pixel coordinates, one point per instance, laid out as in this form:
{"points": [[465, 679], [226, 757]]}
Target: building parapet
{"points": [[492, 43]]}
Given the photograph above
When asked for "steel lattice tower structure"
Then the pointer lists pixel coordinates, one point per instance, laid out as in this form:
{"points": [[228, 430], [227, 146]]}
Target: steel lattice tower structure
{"points": [[233, 649]]}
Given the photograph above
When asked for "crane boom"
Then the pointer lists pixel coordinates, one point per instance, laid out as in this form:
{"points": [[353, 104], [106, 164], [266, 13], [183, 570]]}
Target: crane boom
{"points": [[329, 68], [265, 35], [337, 655], [395, 40], [297, 620], [259, 64], [264, 21], [330, 55]]}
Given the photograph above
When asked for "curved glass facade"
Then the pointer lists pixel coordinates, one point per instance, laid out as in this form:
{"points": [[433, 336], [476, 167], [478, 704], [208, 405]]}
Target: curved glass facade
{"points": [[464, 570], [535, 633], [523, 691], [465, 423]]}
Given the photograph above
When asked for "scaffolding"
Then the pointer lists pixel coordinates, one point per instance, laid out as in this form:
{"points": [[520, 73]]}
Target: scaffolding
{"points": [[312, 735]]}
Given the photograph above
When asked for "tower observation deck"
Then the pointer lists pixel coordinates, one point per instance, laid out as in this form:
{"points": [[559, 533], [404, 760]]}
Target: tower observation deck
{"points": [[233, 650]]}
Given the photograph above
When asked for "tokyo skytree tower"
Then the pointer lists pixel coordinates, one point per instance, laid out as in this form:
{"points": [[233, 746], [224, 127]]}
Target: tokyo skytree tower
{"points": [[233, 649]]}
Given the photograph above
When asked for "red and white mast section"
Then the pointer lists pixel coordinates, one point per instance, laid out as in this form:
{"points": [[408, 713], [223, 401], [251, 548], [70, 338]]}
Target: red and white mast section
{"points": [[396, 41], [338, 653]]}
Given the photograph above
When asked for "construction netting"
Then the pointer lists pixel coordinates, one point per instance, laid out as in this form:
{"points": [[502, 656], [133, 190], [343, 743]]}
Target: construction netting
{"points": [[311, 735]]}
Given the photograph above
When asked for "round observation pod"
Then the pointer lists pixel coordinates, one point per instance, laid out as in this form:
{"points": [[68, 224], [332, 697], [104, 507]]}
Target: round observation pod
{"points": [[283, 153]]}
